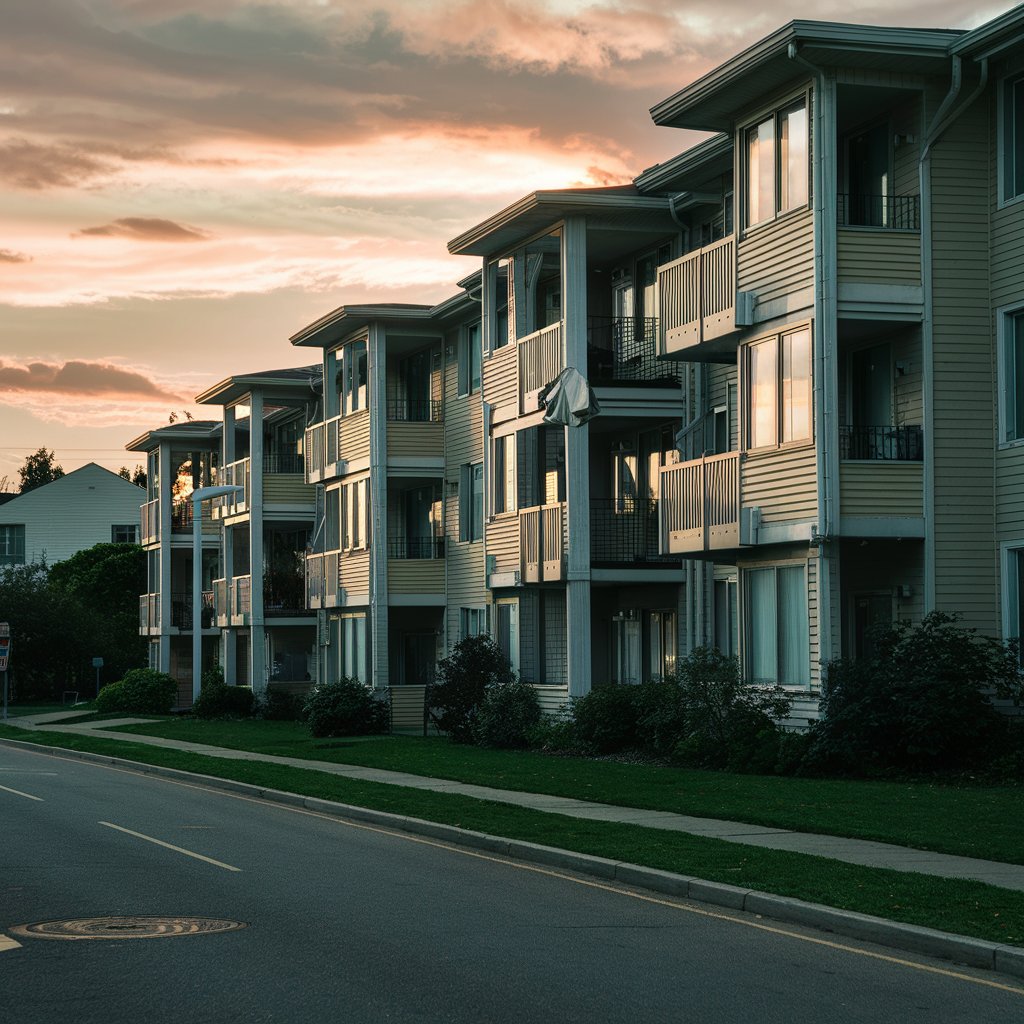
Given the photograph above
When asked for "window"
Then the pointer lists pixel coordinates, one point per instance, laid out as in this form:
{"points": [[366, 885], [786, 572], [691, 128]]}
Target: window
{"points": [[12, 545], [354, 501], [353, 377], [726, 633], [624, 482], [352, 647], [506, 631], [472, 621], [503, 470], [1012, 140], [776, 168], [471, 502], [127, 534], [469, 359], [1011, 387], [777, 628], [778, 390]]}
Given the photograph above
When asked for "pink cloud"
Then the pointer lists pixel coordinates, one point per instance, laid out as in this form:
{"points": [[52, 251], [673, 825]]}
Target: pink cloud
{"points": [[150, 229]]}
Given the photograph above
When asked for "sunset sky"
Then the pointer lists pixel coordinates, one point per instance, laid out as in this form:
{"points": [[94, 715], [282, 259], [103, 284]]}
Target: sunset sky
{"points": [[185, 183]]}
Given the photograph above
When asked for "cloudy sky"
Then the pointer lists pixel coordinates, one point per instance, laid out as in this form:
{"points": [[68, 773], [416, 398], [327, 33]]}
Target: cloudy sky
{"points": [[185, 183]]}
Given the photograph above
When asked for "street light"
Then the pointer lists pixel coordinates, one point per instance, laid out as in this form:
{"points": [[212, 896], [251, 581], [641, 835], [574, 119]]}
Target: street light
{"points": [[198, 496]]}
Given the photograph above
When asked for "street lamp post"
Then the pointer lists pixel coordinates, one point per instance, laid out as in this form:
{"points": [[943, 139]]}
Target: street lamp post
{"points": [[198, 496]]}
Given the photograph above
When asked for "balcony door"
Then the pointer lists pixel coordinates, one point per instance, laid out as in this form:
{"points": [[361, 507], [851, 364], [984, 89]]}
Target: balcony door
{"points": [[868, 176], [626, 648], [415, 374], [870, 402], [419, 522]]}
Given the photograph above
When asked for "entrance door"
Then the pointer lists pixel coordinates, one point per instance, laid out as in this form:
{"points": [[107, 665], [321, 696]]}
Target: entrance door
{"points": [[626, 661], [869, 612]]}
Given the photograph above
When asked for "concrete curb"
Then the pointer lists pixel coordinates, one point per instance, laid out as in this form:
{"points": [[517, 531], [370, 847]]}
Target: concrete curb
{"points": [[784, 909]]}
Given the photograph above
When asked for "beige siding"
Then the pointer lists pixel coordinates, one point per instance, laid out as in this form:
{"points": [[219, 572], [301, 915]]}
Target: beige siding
{"points": [[407, 709], [415, 576], [777, 260], [881, 489], [501, 378], [288, 489], [354, 436], [907, 386], [503, 542], [354, 571], [964, 435], [867, 256], [553, 699], [782, 483], [421, 440]]}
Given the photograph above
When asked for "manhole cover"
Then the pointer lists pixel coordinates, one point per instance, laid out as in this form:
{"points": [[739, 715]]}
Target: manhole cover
{"points": [[125, 928]]}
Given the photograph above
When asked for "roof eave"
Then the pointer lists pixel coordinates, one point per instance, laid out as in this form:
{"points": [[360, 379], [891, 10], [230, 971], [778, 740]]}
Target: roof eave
{"points": [[322, 334]]}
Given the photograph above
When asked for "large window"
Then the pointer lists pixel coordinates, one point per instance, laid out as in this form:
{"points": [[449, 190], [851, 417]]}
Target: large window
{"points": [[469, 359], [471, 502], [776, 163], [503, 470], [12, 545], [1013, 590], [778, 390], [777, 627], [1012, 140], [124, 534], [354, 502], [353, 377], [1011, 389], [472, 621], [352, 647], [506, 630]]}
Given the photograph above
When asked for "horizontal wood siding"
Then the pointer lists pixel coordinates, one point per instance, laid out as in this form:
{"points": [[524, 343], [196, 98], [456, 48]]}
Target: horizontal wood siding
{"points": [[354, 436], [963, 344], [503, 542], [407, 709], [501, 377], [288, 489], [418, 440], [907, 385], [1010, 494], [415, 575], [553, 699], [783, 484], [881, 489], [867, 256], [354, 571], [777, 260]]}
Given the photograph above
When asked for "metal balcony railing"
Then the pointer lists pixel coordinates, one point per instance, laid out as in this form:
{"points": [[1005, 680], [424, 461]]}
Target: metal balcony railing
{"points": [[621, 350], [284, 592], [181, 610], [890, 444], [409, 410], [283, 462], [149, 611], [900, 213], [416, 547], [625, 531]]}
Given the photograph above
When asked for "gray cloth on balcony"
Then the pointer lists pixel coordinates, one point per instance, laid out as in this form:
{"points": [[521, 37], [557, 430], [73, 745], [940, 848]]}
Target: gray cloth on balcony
{"points": [[569, 400]]}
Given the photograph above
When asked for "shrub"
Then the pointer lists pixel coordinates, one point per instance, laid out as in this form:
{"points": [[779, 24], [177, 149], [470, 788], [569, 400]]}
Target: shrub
{"points": [[346, 708], [660, 715], [454, 699], [216, 700], [553, 736], [605, 720], [141, 691], [280, 706], [506, 714], [921, 702]]}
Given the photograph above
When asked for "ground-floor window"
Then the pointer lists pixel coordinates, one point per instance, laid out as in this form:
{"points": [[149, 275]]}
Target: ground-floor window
{"points": [[472, 622], [777, 627], [352, 646], [726, 618], [1013, 591], [506, 630], [644, 645]]}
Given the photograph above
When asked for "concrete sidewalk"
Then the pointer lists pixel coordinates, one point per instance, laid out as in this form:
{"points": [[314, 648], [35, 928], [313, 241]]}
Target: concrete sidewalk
{"points": [[852, 851]]}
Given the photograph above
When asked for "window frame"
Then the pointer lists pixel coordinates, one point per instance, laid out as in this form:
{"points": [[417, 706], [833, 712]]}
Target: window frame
{"points": [[503, 474], [133, 528], [471, 525], [1010, 591], [352, 396], [1006, 317], [774, 113], [746, 408], [469, 375], [355, 647], [9, 551], [1005, 109], [473, 616], [746, 620], [354, 515]]}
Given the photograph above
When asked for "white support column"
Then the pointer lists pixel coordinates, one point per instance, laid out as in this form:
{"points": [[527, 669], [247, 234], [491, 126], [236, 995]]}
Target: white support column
{"points": [[227, 455], [331, 395], [165, 495], [488, 279], [376, 351], [518, 297], [257, 628], [577, 462]]}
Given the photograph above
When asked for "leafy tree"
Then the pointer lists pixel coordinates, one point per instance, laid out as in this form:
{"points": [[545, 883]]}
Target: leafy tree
{"points": [[136, 476], [462, 680], [41, 467]]}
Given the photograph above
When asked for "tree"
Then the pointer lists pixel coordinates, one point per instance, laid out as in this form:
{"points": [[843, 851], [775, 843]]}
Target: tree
{"points": [[41, 467], [136, 476]]}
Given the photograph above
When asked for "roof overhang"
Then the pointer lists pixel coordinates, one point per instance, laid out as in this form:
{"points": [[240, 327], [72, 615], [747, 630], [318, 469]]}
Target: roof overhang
{"points": [[993, 37], [281, 383], [705, 160], [344, 321], [191, 431], [540, 211], [711, 102]]}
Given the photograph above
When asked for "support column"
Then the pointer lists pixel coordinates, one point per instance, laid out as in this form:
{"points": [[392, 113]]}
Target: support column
{"points": [[230, 645], [166, 491], [257, 628], [376, 352], [577, 462], [331, 396]]}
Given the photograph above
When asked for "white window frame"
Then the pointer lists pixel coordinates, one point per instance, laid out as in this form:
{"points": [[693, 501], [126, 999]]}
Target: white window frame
{"points": [[354, 503], [1004, 145], [503, 474], [468, 371], [746, 617], [130, 531], [773, 114], [353, 644], [9, 554], [352, 397], [473, 621], [1010, 597], [512, 604], [778, 339], [471, 525], [1005, 317]]}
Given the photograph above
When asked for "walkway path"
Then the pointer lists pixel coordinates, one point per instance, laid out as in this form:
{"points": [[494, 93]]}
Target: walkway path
{"points": [[853, 851]]}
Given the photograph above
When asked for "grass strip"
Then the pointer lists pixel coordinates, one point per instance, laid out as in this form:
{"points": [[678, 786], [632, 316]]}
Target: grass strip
{"points": [[961, 907], [967, 820]]}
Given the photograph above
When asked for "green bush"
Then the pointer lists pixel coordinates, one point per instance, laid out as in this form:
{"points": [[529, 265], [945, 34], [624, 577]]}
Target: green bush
{"points": [[141, 691], [280, 706], [216, 700], [553, 736], [660, 715], [346, 708], [506, 714], [605, 720], [921, 702], [454, 699]]}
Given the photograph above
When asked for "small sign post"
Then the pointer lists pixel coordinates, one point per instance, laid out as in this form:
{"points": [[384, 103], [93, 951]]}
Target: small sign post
{"points": [[97, 663], [5, 653]]}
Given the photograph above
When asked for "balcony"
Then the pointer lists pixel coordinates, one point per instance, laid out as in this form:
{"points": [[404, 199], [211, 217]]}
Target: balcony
{"points": [[237, 474], [624, 531], [149, 515], [416, 565], [181, 610], [149, 613], [897, 213], [700, 505], [540, 362], [621, 351], [408, 410], [542, 543], [881, 444], [416, 547], [335, 441], [697, 299], [232, 604], [275, 462], [284, 593], [415, 428], [881, 478], [181, 517]]}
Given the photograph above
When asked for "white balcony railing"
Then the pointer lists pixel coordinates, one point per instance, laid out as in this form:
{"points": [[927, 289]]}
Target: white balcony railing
{"points": [[700, 504], [697, 296], [540, 361], [542, 543], [149, 612], [149, 515], [236, 473]]}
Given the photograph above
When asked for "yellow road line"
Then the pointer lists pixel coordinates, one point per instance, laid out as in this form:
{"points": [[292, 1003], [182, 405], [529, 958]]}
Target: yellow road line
{"points": [[171, 846], [8, 943], [521, 866], [18, 792]]}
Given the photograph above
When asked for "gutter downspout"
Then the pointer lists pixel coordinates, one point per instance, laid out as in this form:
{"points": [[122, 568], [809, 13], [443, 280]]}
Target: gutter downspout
{"points": [[826, 341]]}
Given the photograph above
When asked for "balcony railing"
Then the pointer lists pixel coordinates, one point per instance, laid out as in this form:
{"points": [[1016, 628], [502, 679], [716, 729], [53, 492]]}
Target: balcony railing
{"points": [[323, 580], [621, 350], [542, 543], [284, 593], [416, 547], [900, 213], [241, 595], [540, 358], [220, 602], [149, 515], [149, 612], [697, 298], [409, 410], [236, 473], [625, 531], [181, 610], [890, 444], [700, 504], [282, 462]]}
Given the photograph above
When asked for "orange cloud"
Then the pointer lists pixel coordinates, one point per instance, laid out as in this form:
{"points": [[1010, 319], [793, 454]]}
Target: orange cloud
{"points": [[87, 378], [10, 256], [149, 229]]}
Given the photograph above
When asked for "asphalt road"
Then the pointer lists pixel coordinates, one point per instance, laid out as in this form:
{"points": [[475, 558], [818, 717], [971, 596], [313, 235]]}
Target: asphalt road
{"points": [[356, 924]]}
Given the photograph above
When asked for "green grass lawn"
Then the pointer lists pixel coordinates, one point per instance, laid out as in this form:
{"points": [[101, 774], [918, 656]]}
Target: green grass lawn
{"points": [[965, 908], [20, 710], [973, 821]]}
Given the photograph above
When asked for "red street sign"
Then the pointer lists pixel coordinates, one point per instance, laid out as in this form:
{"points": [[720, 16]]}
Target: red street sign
{"points": [[5, 644]]}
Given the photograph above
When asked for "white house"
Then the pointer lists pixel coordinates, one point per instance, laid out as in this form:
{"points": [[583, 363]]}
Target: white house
{"points": [[88, 506]]}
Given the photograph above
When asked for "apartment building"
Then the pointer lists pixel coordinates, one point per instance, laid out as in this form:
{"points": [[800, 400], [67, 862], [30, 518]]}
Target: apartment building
{"points": [[764, 397]]}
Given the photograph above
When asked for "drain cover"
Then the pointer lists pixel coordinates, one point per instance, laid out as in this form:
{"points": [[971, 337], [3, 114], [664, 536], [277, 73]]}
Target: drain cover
{"points": [[125, 928]]}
